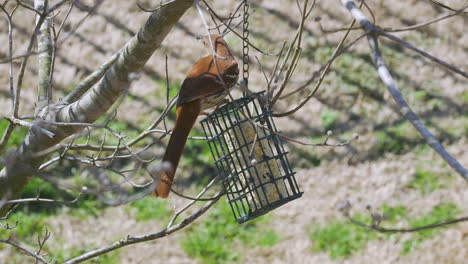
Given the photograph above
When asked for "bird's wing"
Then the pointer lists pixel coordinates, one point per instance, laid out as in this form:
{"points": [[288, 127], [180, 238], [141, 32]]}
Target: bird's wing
{"points": [[203, 79]]}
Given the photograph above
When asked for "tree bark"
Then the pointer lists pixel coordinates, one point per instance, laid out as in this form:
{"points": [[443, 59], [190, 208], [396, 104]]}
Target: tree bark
{"points": [[23, 162]]}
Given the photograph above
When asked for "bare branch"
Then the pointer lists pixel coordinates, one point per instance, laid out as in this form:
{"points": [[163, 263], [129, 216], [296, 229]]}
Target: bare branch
{"points": [[192, 202], [42, 240], [338, 50], [129, 240], [37, 199], [232, 29], [150, 10], [27, 251], [378, 228], [10, 127], [442, 5], [435, 20], [45, 48], [404, 108], [34, 125], [91, 80], [423, 53]]}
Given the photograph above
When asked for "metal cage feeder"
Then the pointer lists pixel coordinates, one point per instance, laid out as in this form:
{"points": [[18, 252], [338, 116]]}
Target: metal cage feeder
{"points": [[250, 158]]}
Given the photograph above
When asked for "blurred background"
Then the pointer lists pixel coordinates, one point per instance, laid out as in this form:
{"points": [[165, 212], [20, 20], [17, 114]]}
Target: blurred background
{"points": [[389, 167]]}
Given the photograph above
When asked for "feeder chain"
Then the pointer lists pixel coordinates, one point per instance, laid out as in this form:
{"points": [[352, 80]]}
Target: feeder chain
{"points": [[245, 49]]}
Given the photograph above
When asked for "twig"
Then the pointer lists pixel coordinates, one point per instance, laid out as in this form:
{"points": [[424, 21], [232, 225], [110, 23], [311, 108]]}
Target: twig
{"points": [[34, 125], [25, 250], [404, 108], [193, 201], [322, 76], [42, 240], [295, 57], [91, 80], [10, 127], [423, 53], [8, 213], [37, 11], [150, 10], [425, 23], [37, 199], [378, 228], [138, 239], [232, 30], [44, 45], [56, 6], [442, 5]]}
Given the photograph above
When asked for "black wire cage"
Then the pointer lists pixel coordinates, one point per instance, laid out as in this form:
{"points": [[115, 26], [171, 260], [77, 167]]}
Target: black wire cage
{"points": [[250, 157]]}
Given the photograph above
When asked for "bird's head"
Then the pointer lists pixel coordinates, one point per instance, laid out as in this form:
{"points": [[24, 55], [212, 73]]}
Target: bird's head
{"points": [[217, 43]]}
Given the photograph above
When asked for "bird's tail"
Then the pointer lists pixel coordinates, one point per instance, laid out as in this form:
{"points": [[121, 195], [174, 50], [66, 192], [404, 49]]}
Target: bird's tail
{"points": [[187, 114]]}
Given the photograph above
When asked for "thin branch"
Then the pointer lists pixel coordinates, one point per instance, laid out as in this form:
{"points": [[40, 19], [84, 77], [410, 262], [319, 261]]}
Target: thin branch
{"points": [[317, 73], [34, 125], [57, 6], [150, 10], [10, 52], [233, 31], [296, 55], [27, 251], [31, 8], [322, 76], [129, 240], [192, 202], [37, 199], [91, 80], [442, 5], [10, 127], [423, 53], [378, 228], [42, 240], [404, 108], [425, 23], [45, 49], [9, 212]]}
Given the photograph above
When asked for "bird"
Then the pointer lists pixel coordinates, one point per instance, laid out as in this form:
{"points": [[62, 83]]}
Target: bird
{"points": [[206, 85]]}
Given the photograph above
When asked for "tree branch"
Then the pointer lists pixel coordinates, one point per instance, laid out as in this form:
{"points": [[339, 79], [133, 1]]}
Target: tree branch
{"points": [[387, 79], [44, 46], [406, 230], [95, 102], [129, 240], [28, 252]]}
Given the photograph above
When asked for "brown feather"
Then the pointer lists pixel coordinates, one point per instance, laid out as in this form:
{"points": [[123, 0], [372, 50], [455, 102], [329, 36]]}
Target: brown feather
{"points": [[201, 89], [185, 118]]}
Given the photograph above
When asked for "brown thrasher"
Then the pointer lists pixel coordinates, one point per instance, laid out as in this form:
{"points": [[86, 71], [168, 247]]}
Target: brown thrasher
{"points": [[205, 86]]}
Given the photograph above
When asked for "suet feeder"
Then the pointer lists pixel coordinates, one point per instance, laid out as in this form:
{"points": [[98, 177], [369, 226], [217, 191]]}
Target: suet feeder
{"points": [[250, 157]]}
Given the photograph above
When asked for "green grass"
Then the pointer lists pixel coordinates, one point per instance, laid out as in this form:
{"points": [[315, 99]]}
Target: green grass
{"points": [[219, 239], [396, 139], [87, 206], [439, 213], [393, 213], [16, 137], [174, 88], [329, 118], [149, 208], [60, 254], [342, 239], [425, 181], [30, 224], [197, 160], [464, 96]]}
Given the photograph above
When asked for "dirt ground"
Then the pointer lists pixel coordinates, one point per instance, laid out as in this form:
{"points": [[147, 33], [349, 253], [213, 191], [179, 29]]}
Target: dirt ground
{"points": [[359, 172]]}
